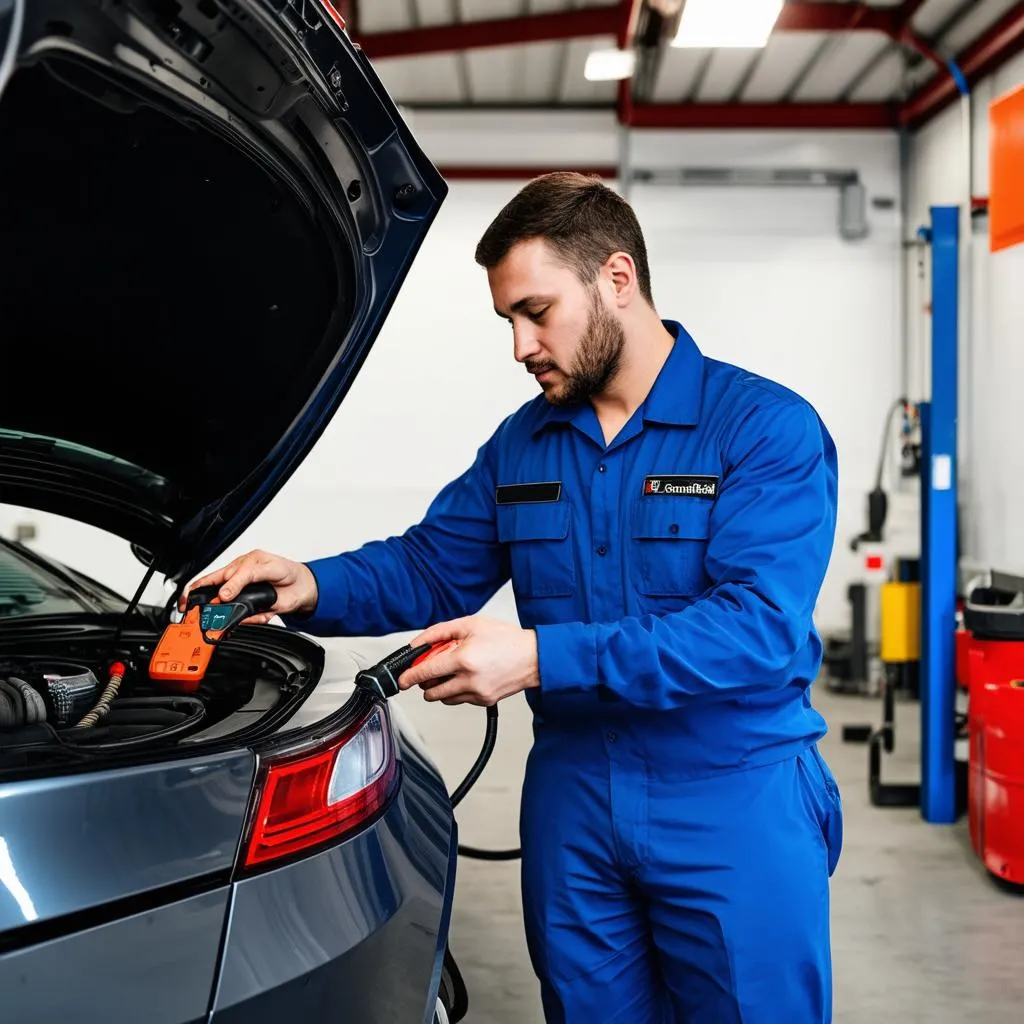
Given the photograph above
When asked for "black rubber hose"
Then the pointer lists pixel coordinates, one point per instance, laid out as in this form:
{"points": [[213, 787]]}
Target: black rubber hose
{"points": [[470, 780]]}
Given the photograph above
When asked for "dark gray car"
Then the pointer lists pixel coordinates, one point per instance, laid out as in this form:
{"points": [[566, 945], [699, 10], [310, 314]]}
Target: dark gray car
{"points": [[207, 208]]}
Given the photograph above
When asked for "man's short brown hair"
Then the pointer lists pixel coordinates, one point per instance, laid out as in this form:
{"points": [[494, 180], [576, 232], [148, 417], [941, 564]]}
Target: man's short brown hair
{"points": [[582, 220]]}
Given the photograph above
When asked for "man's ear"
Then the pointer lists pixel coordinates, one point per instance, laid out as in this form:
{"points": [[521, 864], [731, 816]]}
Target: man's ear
{"points": [[621, 272]]}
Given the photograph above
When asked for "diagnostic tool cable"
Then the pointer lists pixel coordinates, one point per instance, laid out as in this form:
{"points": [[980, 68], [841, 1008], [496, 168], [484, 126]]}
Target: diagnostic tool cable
{"points": [[381, 680]]}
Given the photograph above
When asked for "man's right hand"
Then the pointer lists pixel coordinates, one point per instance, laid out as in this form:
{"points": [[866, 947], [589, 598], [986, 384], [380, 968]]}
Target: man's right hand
{"points": [[294, 582]]}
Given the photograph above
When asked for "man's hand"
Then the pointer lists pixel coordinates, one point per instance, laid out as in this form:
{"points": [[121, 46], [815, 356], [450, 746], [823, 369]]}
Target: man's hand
{"points": [[295, 584], [492, 661]]}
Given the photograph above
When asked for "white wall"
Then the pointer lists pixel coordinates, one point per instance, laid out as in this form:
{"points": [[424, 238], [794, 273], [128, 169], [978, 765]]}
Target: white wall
{"points": [[992, 353], [759, 276]]}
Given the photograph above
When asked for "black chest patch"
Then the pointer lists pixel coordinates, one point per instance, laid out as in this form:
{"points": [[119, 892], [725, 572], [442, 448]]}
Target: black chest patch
{"points": [[528, 494]]}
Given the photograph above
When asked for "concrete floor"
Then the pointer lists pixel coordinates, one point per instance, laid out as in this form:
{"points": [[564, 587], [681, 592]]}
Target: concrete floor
{"points": [[920, 934]]}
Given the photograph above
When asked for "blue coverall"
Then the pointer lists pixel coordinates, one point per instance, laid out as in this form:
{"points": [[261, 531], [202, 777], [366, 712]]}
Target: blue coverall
{"points": [[678, 824]]}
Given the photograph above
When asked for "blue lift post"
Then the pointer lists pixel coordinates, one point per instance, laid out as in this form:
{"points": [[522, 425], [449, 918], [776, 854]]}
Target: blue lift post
{"points": [[939, 550]]}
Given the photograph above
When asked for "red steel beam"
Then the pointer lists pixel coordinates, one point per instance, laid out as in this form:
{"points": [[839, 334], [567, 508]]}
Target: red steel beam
{"points": [[600, 21], [1004, 40], [764, 115], [629, 12], [907, 10], [835, 17]]}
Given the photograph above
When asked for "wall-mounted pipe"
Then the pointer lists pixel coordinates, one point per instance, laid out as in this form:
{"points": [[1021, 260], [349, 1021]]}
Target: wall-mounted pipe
{"points": [[852, 219]]}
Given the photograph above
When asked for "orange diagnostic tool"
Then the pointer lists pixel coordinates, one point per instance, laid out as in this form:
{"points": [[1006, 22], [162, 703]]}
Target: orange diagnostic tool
{"points": [[183, 654]]}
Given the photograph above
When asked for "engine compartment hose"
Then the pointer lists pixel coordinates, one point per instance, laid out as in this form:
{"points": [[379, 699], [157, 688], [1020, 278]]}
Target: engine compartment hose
{"points": [[109, 695], [490, 736]]}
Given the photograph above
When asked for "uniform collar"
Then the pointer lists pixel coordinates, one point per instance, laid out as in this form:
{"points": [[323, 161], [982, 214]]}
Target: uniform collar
{"points": [[675, 398]]}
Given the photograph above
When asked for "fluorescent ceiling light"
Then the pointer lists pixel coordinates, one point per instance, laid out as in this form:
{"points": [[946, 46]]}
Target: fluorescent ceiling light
{"points": [[727, 23], [609, 65]]}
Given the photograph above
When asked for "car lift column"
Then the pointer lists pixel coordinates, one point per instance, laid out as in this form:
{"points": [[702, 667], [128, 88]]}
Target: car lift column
{"points": [[939, 549]]}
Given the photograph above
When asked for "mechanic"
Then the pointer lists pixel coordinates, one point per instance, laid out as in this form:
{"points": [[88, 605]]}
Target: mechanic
{"points": [[666, 521]]}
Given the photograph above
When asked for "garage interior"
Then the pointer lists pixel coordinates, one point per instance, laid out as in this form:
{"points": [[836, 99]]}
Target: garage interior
{"points": [[832, 197]]}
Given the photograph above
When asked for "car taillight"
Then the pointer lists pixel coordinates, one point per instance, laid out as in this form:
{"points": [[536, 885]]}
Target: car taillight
{"points": [[315, 795]]}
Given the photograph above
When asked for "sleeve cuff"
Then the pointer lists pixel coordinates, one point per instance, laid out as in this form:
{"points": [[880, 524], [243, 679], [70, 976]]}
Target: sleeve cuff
{"points": [[332, 597], [567, 657]]}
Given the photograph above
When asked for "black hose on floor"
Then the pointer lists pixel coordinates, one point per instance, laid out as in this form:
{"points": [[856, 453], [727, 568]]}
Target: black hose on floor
{"points": [[490, 736]]}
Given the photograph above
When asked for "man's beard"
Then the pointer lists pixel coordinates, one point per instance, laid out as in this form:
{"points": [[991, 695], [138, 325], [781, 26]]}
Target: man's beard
{"points": [[596, 362]]}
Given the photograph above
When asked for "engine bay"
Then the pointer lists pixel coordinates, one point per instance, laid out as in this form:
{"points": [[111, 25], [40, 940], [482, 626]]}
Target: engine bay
{"points": [[71, 701]]}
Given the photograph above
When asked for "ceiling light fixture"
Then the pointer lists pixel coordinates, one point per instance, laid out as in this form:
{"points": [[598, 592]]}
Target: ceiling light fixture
{"points": [[609, 65], [727, 23]]}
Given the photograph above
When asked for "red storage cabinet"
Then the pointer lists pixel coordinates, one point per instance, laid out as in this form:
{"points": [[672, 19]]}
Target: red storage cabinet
{"points": [[995, 721]]}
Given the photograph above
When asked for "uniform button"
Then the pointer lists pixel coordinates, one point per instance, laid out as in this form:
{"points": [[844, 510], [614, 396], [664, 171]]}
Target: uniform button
{"points": [[601, 468], [674, 528], [602, 550]]}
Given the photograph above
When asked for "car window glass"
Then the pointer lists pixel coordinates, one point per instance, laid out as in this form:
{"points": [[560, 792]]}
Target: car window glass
{"points": [[26, 590]]}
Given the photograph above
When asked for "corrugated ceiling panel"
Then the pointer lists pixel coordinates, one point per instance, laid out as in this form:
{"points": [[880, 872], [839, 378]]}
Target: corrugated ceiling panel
{"points": [[384, 16], [783, 57], [429, 12], [574, 87], [516, 74], [848, 52], [884, 81], [983, 14], [935, 13], [432, 79], [678, 72], [549, 6], [484, 10], [724, 73]]}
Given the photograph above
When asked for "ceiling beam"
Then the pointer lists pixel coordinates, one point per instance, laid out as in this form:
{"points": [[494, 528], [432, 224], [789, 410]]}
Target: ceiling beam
{"points": [[1004, 40], [834, 17], [755, 116], [795, 16], [625, 32], [907, 11]]}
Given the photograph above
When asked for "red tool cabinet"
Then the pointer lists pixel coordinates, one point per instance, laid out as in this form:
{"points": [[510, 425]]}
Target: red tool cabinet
{"points": [[994, 645]]}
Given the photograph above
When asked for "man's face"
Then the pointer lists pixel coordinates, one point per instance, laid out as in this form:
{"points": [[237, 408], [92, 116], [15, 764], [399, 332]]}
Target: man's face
{"points": [[562, 331]]}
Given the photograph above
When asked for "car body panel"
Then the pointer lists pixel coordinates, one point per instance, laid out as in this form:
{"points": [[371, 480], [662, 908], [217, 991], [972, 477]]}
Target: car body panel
{"points": [[77, 842], [156, 966], [350, 933]]}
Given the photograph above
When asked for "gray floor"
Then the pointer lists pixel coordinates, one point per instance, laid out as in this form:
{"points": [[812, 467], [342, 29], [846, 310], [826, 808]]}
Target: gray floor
{"points": [[920, 935]]}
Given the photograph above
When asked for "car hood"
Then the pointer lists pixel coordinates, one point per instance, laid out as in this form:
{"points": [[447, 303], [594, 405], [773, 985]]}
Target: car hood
{"points": [[208, 208]]}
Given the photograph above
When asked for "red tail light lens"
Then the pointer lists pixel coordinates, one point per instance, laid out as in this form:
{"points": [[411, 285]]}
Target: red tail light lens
{"points": [[309, 797]]}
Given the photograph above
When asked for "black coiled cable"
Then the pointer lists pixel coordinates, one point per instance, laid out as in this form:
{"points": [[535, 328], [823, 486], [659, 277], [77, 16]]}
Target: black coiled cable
{"points": [[490, 736]]}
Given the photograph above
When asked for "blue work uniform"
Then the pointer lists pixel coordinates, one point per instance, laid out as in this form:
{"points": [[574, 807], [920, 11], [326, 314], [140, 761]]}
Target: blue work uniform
{"points": [[679, 826]]}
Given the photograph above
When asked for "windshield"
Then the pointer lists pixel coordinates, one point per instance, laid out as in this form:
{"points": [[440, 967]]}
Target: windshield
{"points": [[27, 589]]}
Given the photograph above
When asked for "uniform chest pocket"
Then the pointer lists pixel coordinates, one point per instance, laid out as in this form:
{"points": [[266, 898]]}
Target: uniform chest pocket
{"points": [[540, 548], [670, 537]]}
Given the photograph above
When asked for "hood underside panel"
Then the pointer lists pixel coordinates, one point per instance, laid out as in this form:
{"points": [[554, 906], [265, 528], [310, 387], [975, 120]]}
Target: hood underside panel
{"points": [[168, 297], [208, 208]]}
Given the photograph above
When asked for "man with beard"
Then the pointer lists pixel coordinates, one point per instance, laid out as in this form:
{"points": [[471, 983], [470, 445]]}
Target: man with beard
{"points": [[666, 521]]}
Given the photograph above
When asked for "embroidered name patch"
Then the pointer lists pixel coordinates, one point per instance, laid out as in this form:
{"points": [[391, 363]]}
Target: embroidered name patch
{"points": [[681, 486], [528, 494]]}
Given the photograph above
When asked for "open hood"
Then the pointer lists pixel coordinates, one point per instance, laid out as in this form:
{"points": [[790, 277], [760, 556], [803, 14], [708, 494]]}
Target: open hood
{"points": [[207, 208]]}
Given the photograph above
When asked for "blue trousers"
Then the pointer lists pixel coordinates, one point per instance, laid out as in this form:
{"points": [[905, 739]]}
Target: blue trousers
{"points": [[649, 900]]}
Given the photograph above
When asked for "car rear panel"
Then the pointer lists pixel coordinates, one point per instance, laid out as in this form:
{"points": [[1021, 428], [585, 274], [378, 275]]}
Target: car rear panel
{"points": [[354, 933], [114, 886]]}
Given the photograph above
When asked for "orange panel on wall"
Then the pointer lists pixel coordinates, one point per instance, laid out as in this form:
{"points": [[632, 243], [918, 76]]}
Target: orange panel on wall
{"points": [[1006, 170]]}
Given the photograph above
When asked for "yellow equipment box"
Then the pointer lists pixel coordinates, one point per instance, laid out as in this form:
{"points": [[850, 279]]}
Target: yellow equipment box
{"points": [[901, 622]]}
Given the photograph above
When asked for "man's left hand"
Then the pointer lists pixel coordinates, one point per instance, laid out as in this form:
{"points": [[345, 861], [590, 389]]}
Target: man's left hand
{"points": [[493, 660]]}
